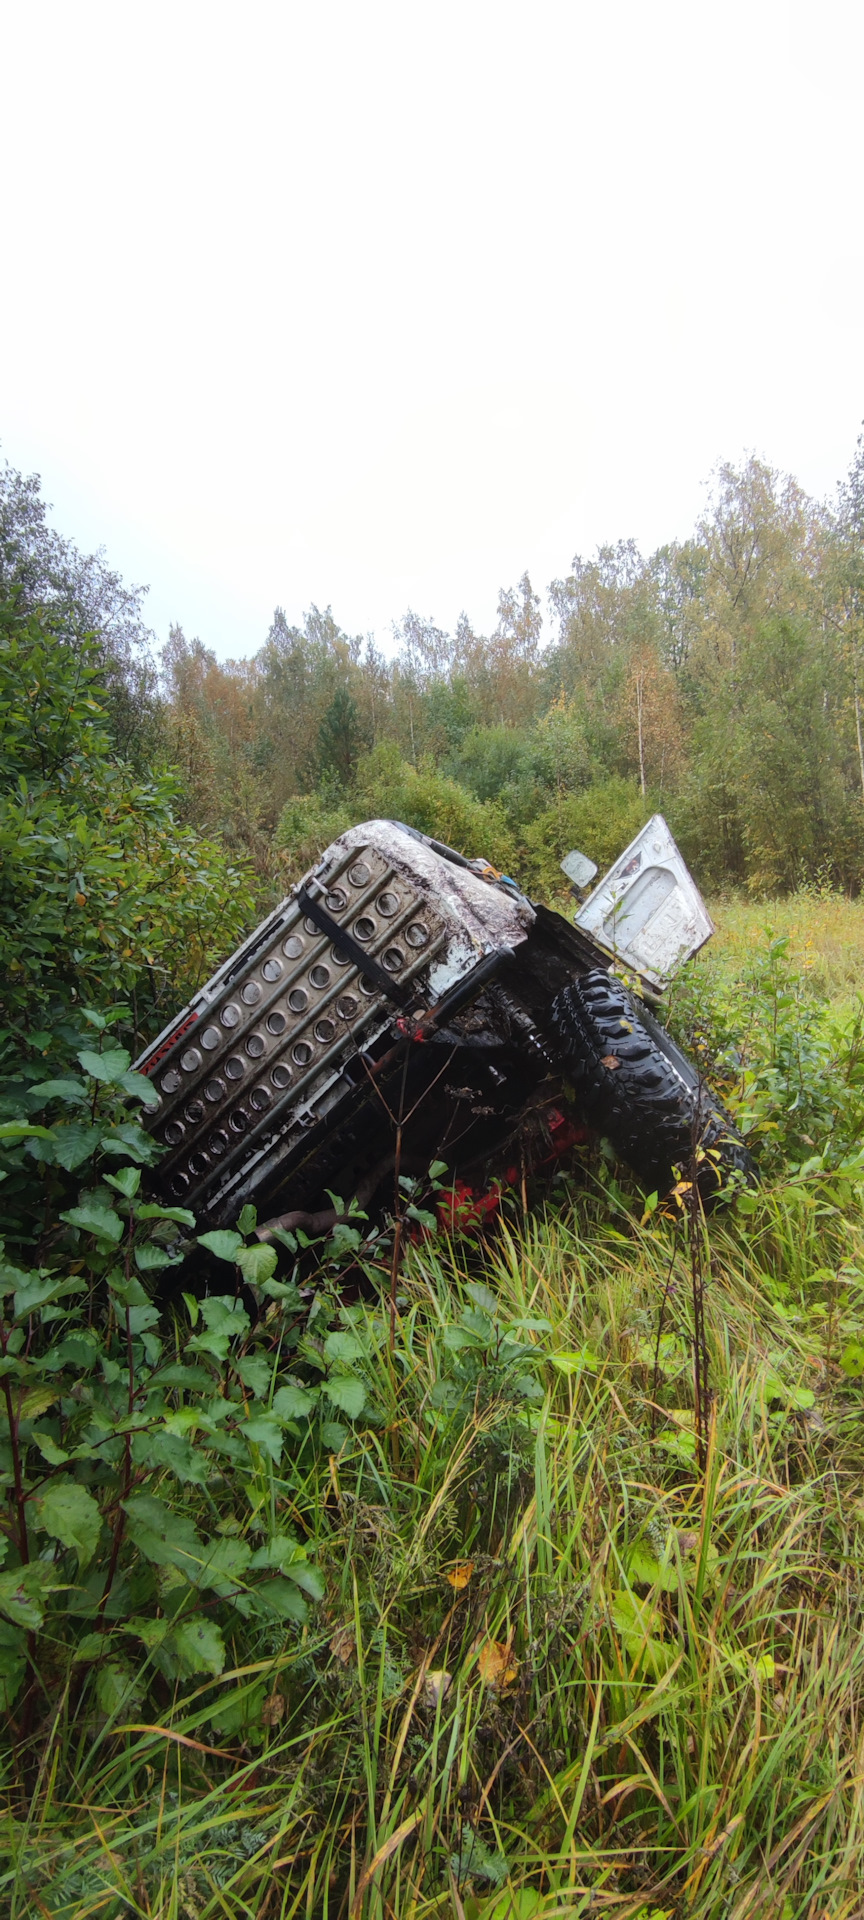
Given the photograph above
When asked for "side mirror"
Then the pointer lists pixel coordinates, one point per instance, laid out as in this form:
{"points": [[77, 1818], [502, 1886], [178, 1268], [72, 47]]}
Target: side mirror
{"points": [[579, 869]]}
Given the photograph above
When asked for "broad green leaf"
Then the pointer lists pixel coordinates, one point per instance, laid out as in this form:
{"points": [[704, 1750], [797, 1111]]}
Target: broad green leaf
{"points": [[225, 1563], [139, 1087], [149, 1211], [342, 1346], [199, 1646], [150, 1632], [94, 1646], [73, 1144], [36, 1400], [90, 1218], [127, 1181], [239, 1709], [646, 1570], [166, 1538], [852, 1360], [255, 1372], [152, 1259], [280, 1597], [142, 1317], [69, 1514], [637, 1624], [285, 1291], [23, 1592], [21, 1129], [223, 1314], [109, 1067], [455, 1338], [576, 1361], [117, 1688], [294, 1402], [130, 1142], [264, 1431], [283, 1554], [248, 1220], [74, 1091], [223, 1242], [347, 1393], [33, 1294], [483, 1297], [55, 1456], [257, 1264]]}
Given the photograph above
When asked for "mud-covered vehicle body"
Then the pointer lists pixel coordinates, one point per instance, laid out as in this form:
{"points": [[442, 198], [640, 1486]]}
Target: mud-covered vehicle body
{"points": [[406, 1002]]}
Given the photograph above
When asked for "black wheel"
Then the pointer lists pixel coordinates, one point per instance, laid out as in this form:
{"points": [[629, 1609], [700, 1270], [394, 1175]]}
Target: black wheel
{"points": [[636, 1087]]}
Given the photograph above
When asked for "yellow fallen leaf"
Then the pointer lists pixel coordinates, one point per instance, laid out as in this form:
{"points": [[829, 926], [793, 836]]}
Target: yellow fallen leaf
{"points": [[459, 1576], [495, 1663]]}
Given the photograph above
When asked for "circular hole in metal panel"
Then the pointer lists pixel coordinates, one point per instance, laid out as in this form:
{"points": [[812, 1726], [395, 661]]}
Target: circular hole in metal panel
{"points": [[179, 1185], [173, 1133], [190, 1060], [335, 901], [251, 993], [259, 1098], [276, 1022], [199, 1163], [298, 999], [325, 1031], [346, 1006], [319, 976], [367, 986], [281, 1075], [214, 1091], [364, 928], [388, 904], [271, 970], [417, 935], [218, 1143], [234, 1067], [230, 1015], [255, 1046], [310, 926], [194, 1113], [171, 1081], [359, 875], [210, 1038], [293, 946], [239, 1120], [339, 958], [302, 1053], [394, 958]]}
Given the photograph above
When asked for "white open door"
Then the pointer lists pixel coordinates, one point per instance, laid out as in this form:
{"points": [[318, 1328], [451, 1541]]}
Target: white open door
{"points": [[647, 910]]}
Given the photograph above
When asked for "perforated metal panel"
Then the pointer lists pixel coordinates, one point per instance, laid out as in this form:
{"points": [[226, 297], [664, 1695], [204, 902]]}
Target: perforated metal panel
{"points": [[257, 1058]]}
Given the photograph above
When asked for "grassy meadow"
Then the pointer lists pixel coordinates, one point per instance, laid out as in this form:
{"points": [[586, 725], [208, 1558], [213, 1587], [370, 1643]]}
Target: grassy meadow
{"points": [[588, 1638]]}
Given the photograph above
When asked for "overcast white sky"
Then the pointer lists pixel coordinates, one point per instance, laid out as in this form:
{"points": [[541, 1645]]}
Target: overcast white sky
{"points": [[380, 304]]}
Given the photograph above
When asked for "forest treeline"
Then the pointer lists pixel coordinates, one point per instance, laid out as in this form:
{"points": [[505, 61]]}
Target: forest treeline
{"points": [[720, 678]]}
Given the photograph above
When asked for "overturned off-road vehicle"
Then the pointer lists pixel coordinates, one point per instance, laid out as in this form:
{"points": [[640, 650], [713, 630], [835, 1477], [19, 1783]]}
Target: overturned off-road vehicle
{"points": [[406, 1005]]}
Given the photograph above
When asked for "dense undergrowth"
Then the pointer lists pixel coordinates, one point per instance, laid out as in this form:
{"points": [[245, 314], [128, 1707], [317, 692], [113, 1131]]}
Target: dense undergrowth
{"points": [[310, 1610], [532, 1589]]}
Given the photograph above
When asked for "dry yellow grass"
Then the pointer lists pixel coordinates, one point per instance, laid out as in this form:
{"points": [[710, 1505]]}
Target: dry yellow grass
{"points": [[826, 937]]}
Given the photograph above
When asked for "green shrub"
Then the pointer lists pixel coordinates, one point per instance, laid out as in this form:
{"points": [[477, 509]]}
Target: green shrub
{"points": [[600, 821], [102, 894]]}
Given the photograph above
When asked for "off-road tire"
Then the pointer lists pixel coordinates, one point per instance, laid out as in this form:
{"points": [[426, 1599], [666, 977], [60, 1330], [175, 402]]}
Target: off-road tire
{"points": [[635, 1086]]}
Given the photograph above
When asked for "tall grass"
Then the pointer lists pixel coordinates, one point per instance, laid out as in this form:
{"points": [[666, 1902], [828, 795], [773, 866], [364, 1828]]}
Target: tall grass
{"points": [[558, 1670]]}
